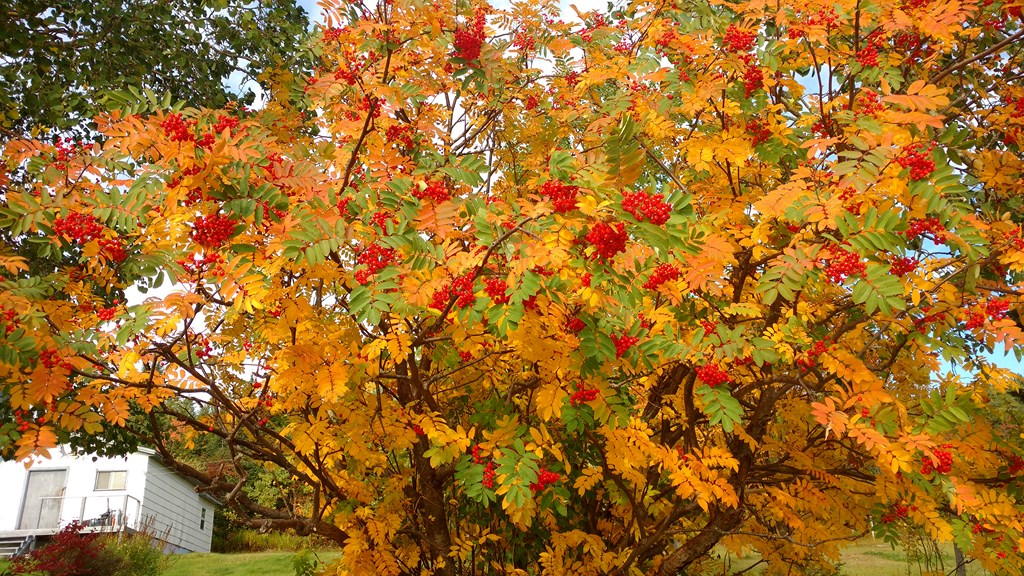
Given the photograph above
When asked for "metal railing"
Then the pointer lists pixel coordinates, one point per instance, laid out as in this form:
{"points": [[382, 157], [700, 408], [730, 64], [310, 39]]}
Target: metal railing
{"points": [[100, 513]]}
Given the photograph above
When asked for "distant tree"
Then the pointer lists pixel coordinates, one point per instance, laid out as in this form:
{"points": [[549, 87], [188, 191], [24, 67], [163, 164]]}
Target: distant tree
{"points": [[58, 57]]}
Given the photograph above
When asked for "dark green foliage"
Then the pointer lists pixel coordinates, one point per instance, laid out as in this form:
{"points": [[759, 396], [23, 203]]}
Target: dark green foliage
{"points": [[60, 56]]}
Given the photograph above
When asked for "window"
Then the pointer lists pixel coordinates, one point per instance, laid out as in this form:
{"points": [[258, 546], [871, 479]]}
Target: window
{"points": [[202, 520], [111, 480]]}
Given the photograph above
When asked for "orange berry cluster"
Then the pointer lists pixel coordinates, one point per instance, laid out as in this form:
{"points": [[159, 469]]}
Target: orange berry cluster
{"points": [[212, 230], [643, 205]]}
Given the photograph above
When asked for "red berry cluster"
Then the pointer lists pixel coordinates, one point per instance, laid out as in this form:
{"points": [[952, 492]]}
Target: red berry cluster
{"points": [[10, 319], [582, 395], [917, 157], [401, 134], [213, 230], [524, 42], [461, 289], [496, 288], [196, 265], [738, 39], [65, 148], [343, 205], [996, 309], [867, 56], [826, 17], [922, 226], [545, 478], [81, 227], [563, 196], [713, 375], [469, 40], [663, 273], [709, 326], [375, 258], [51, 359], [897, 511], [488, 481], [842, 264], [607, 240], [944, 465], [753, 78], [225, 123], [114, 249], [901, 266], [435, 190], [381, 218], [575, 325], [177, 129], [811, 358], [531, 102], [334, 33], [869, 103], [477, 452], [23, 425], [106, 314], [1016, 465], [623, 343], [650, 206], [759, 131]]}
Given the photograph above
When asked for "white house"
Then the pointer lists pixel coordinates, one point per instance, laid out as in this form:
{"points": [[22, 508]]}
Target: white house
{"points": [[132, 493]]}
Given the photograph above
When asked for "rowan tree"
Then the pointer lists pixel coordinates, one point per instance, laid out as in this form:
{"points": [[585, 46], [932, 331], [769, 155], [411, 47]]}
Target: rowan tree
{"points": [[509, 294]]}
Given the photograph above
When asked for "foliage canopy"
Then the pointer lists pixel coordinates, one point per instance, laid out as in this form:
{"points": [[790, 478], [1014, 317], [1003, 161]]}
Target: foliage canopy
{"points": [[505, 294]]}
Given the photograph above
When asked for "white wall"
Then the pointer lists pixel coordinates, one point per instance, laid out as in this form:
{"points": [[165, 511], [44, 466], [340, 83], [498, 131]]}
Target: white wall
{"points": [[81, 483], [176, 509], [152, 491]]}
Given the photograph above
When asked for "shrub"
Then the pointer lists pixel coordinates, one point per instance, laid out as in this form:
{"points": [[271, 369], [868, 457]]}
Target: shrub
{"points": [[71, 553]]}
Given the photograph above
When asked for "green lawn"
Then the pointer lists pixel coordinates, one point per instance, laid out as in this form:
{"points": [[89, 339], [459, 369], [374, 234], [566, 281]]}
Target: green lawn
{"points": [[252, 564], [866, 558]]}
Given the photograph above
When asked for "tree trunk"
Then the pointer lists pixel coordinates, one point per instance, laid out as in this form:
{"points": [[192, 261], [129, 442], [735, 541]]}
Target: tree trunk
{"points": [[961, 562]]}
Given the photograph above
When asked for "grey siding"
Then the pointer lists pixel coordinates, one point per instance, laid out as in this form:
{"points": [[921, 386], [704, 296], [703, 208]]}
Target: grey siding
{"points": [[175, 509]]}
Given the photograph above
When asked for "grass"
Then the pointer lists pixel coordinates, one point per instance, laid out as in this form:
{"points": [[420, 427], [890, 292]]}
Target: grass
{"points": [[866, 558], [250, 564]]}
